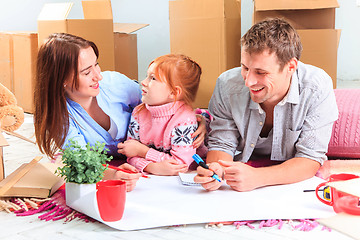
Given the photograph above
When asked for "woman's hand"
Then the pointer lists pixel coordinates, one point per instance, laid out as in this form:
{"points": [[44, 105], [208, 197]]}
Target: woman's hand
{"points": [[129, 178], [132, 148], [200, 131], [169, 167]]}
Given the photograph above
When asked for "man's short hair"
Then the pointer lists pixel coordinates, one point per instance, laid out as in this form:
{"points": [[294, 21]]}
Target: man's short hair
{"points": [[273, 35]]}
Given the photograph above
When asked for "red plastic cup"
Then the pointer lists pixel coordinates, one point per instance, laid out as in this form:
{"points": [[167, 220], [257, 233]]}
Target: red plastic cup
{"points": [[111, 196], [337, 200]]}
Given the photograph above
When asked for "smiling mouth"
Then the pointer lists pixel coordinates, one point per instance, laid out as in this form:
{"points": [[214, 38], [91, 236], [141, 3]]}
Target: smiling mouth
{"points": [[257, 89], [96, 85]]}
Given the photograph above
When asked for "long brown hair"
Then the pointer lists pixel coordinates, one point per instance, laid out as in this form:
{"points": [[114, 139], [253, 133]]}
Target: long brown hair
{"points": [[57, 63], [178, 70]]}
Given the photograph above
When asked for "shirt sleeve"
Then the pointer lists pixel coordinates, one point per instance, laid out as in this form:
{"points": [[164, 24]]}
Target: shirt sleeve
{"points": [[316, 132], [133, 129], [133, 133], [224, 135]]}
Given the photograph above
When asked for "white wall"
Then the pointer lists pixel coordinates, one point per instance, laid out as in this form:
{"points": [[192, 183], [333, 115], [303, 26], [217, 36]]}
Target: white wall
{"points": [[348, 20], [153, 41]]}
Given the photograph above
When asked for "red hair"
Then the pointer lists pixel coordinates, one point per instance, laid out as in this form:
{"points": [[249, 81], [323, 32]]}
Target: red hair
{"points": [[177, 70]]}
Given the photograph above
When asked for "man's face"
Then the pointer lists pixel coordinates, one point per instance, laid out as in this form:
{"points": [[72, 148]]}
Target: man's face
{"points": [[266, 82]]}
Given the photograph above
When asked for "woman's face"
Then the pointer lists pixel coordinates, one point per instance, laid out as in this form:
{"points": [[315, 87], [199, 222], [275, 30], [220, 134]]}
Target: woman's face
{"points": [[89, 75]]}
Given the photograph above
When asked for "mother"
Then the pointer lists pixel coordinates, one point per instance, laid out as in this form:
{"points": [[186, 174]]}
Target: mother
{"points": [[71, 103]]}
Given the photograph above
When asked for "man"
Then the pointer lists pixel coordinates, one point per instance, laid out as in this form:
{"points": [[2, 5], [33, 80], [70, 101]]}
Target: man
{"points": [[273, 107]]}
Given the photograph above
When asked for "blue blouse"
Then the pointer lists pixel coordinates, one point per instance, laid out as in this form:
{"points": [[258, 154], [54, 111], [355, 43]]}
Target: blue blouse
{"points": [[117, 98]]}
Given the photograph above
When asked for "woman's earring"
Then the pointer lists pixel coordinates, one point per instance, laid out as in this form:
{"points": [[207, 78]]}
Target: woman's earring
{"points": [[64, 85]]}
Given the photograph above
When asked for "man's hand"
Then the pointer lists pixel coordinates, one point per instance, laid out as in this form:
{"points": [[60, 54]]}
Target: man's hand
{"points": [[241, 177], [200, 131], [204, 176], [133, 148]]}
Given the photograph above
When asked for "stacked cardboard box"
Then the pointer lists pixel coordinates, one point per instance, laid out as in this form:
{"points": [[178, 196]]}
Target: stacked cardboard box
{"points": [[125, 40], [315, 23], [17, 65], [117, 44], [98, 27], [208, 31]]}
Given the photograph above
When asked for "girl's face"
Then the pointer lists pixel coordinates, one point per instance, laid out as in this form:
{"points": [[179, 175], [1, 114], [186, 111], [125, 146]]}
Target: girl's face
{"points": [[154, 91], [88, 76]]}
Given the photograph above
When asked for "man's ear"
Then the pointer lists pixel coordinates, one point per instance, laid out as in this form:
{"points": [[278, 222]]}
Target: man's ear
{"points": [[177, 93], [292, 65]]}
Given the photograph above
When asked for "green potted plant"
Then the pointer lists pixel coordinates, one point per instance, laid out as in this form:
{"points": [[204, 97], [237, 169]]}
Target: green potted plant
{"points": [[84, 165], [82, 168]]}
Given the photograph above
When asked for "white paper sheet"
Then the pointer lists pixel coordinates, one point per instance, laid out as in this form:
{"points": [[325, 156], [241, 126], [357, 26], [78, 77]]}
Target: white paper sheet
{"points": [[165, 201], [188, 179]]}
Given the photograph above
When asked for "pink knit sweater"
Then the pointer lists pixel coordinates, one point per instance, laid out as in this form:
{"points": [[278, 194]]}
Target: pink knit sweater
{"points": [[167, 130]]}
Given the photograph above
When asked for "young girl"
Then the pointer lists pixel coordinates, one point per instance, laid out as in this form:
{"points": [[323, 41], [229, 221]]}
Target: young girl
{"points": [[160, 132]]}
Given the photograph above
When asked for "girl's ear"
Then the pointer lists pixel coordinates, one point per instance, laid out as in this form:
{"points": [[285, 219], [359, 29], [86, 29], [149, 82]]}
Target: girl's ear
{"points": [[177, 93]]}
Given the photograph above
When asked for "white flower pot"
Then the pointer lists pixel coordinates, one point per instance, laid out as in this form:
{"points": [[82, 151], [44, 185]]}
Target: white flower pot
{"points": [[82, 198]]}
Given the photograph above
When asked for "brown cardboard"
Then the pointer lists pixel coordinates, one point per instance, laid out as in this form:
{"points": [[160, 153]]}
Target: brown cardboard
{"points": [[96, 26], [6, 60], [3, 143], [117, 42], [125, 40], [264, 5], [17, 65], [321, 52], [315, 23], [39, 182], [25, 53], [208, 31], [344, 223]]}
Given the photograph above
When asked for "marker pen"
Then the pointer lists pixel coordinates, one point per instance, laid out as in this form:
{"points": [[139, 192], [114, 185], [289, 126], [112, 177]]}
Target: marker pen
{"points": [[201, 163]]}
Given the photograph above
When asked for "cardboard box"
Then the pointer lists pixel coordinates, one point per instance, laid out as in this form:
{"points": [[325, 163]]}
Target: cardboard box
{"points": [[117, 42], [208, 31], [17, 65], [3, 143], [315, 22], [6, 60], [39, 182], [96, 26], [125, 40]]}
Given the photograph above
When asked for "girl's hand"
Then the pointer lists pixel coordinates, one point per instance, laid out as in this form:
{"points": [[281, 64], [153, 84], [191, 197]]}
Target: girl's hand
{"points": [[133, 148], [200, 131], [204, 176], [169, 167], [129, 178]]}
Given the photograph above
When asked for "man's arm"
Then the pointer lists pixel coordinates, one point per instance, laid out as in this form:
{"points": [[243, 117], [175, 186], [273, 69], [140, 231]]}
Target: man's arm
{"points": [[214, 156], [242, 177]]}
